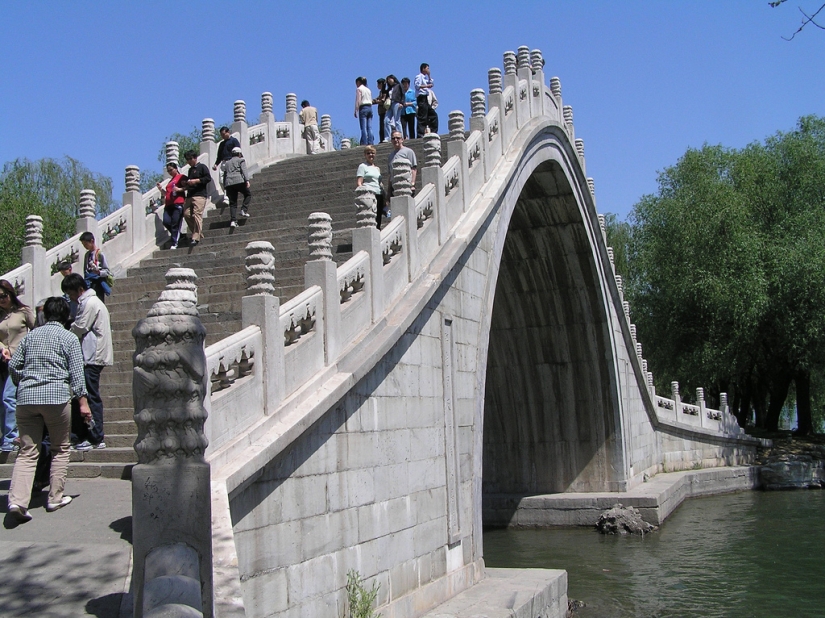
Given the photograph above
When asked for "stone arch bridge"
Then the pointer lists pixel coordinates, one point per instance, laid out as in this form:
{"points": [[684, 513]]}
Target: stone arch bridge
{"points": [[475, 350]]}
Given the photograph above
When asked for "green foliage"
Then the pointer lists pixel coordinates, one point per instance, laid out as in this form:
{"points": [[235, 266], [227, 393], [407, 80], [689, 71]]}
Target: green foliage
{"points": [[186, 141], [619, 237], [728, 267], [49, 188], [359, 599]]}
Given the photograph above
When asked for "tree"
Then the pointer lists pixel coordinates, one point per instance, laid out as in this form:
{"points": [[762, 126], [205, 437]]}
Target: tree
{"points": [[727, 271], [807, 18], [49, 188]]}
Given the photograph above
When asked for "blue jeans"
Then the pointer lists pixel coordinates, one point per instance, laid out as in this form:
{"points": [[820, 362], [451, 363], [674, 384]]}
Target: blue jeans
{"points": [[392, 121], [9, 413], [365, 120]]}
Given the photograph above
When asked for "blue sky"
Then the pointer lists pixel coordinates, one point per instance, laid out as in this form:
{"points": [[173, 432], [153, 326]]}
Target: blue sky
{"points": [[107, 82]]}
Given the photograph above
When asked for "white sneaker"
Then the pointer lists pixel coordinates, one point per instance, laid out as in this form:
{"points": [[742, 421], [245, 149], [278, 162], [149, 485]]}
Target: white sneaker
{"points": [[233, 224], [19, 513], [245, 214], [83, 446], [100, 445], [173, 247], [51, 508]]}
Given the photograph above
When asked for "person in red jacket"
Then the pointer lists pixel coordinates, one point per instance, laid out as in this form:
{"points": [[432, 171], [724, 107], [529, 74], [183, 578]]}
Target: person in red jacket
{"points": [[174, 197]]}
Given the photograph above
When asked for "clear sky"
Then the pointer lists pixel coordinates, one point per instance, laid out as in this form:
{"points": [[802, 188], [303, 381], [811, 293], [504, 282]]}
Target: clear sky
{"points": [[107, 82]]}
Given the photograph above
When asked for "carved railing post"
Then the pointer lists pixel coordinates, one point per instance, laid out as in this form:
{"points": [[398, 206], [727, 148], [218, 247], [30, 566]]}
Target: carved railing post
{"points": [[172, 154], [171, 498], [241, 127], [267, 118], [133, 197], [457, 147], [266, 104], [34, 231], [677, 399], [34, 253], [292, 118], [403, 204], [262, 307], [325, 129], [87, 213], [345, 144], [567, 112], [323, 272], [367, 237], [478, 122], [209, 147], [537, 104], [700, 402], [433, 174]]}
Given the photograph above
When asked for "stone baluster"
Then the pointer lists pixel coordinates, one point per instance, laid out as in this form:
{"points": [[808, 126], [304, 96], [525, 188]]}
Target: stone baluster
{"points": [[365, 206], [591, 184], [172, 154], [523, 57], [325, 129], [611, 258], [345, 144], [555, 87], [34, 231], [432, 150], [320, 236], [87, 212], [478, 103], [456, 124], [536, 60], [171, 497], [723, 404], [261, 307], [510, 63], [619, 285], [240, 111], [677, 399], [291, 103], [602, 228], [580, 148], [639, 351], [132, 178], [266, 103], [494, 80], [626, 309], [323, 272], [567, 111], [700, 402], [260, 268], [633, 333], [401, 177], [209, 147], [650, 386]]}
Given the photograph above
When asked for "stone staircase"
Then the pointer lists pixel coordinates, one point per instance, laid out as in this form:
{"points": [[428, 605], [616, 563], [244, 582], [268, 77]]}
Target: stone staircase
{"points": [[283, 197]]}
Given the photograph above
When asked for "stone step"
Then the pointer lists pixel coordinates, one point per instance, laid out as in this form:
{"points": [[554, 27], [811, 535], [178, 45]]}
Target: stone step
{"points": [[114, 470], [123, 454]]}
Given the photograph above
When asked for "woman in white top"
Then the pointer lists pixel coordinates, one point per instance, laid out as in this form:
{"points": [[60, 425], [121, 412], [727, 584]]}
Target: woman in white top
{"points": [[369, 176], [363, 109]]}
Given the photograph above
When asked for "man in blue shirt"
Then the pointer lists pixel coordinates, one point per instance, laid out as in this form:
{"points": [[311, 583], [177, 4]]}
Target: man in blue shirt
{"points": [[427, 118]]}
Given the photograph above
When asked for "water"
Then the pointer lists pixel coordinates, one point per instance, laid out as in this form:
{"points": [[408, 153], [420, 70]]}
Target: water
{"points": [[750, 554]]}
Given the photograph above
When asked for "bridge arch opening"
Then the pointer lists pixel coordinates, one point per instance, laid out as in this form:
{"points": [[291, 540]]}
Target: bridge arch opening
{"points": [[550, 422]]}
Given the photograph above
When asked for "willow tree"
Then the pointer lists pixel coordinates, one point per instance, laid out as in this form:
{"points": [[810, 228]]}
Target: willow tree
{"points": [[727, 271]]}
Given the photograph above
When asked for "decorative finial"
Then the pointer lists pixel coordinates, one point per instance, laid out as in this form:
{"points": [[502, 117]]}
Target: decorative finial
{"points": [[34, 231], [266, 103], [509, 63], [88, 204], [240, 111], [524, 57], [478, 103], [180, 296], [260, 268], [536, 60], [401, 177], [320, 236], [432, 150], [172, 149], [365, 206], [291, 103], [580, 147], [568, 114], [207, 130], [456, 124], [132, 178], [494, 80], [602, 224], [555, 86], [326, 123], [592, 186], [345, 144]]}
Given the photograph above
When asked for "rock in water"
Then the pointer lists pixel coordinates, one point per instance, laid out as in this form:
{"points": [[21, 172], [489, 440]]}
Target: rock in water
{"points": [[621, 520]]}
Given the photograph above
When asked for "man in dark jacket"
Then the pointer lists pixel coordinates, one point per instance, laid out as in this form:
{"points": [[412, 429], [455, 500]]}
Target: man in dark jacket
{"points": [[199, 176], [226, 147]]}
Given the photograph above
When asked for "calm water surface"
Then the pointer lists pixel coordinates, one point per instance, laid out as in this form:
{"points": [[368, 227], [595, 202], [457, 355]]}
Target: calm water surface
{"points": [[753, 553]]}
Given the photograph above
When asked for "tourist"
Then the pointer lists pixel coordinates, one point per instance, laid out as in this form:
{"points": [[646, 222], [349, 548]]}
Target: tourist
{"points": [[392, 121], [236, 181], [401, 151], [369, 176], [16, 320], [48, 370], [410, 107], [425, 99], [195, 204], [226, 147], [383, 103], [174, 196], [363, 110], [96, 268], [92, 326], [309, 118]]}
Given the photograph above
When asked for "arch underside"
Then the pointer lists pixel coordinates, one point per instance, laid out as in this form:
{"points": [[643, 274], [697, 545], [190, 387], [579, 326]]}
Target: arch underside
{"points": [[549, 413]]}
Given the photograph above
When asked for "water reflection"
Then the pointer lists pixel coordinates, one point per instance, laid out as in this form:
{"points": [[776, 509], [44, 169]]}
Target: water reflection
{"points": [[751, 554]]}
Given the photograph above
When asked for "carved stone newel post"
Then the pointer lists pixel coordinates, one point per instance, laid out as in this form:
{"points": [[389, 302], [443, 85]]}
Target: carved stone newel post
{"points": [[171, 503], [323, 272]]}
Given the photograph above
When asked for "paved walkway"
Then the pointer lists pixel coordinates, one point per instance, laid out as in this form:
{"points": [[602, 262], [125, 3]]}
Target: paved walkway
{"points": [[73, 562]]}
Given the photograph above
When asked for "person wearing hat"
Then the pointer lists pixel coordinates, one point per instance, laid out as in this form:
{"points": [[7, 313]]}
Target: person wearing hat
{"points": [[235, 182]]}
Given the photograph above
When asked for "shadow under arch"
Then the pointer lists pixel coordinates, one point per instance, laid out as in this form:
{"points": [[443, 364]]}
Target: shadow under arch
{"points": [[551, 415]]}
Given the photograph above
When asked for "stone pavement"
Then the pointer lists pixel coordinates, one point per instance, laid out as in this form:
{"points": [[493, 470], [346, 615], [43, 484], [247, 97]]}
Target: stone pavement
{"points": [[73, 562]]}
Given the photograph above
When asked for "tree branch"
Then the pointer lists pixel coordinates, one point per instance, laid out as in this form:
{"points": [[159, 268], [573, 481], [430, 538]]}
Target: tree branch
{"points": [[809, 19]]}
